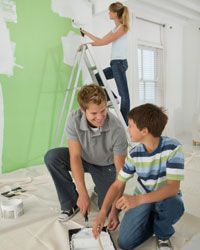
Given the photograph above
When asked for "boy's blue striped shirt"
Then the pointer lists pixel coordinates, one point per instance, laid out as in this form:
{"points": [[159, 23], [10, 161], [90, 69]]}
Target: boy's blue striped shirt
{"points": [[166, 162]]}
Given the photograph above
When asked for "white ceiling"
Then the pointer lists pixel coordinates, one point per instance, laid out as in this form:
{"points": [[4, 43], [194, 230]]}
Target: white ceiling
{"points": [[188, 10], [185, 9]]}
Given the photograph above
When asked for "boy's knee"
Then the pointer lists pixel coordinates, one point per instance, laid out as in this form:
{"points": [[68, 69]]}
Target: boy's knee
{"points": [[176, 203], [127, 240], [172, 207], [179, 208], [125, 244], [122, 243]]}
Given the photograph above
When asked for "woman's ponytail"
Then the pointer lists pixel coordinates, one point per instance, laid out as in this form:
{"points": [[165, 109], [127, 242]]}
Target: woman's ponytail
{"points": [[125, 18], [122, 13]]}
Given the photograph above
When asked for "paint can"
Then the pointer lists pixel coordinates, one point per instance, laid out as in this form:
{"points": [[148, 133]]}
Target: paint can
{"points": [[12, 209]]}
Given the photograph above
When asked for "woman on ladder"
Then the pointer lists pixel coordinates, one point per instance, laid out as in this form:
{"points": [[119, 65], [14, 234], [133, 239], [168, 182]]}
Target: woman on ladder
{"points": [[118, 65]]}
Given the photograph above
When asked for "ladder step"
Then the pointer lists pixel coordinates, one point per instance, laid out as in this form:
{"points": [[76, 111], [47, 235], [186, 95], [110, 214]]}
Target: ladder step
{"points": [[88, 58], [92, 68]]}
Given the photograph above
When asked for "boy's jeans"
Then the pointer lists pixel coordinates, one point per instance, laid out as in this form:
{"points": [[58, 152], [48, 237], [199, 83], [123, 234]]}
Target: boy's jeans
{"points": [[140, 223], [117, 70]]}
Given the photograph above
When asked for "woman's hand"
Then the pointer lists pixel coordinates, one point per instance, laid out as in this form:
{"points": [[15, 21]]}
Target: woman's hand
{"points": [[81, 46], [83, 32]]}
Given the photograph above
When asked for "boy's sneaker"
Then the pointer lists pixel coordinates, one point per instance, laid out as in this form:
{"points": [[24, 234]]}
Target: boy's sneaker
{"points": [[65, 215], [164, 245]]}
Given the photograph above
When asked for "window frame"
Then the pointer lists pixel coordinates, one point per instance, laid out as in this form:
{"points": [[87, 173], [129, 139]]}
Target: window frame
{"points": [[158, 75]]}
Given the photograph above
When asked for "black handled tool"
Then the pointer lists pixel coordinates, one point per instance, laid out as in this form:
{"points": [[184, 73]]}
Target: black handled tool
{"points": [[86, 220], [82, 34]]}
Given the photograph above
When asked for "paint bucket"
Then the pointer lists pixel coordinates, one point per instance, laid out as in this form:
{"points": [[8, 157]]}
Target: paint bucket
{"points": [[12, 209]]}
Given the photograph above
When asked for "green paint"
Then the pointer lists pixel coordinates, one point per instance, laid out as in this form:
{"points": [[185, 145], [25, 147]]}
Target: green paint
{"points": [[33, 96]]}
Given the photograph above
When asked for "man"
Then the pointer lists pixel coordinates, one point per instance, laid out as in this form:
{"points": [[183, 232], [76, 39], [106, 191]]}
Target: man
{"points": [[97, 144]]}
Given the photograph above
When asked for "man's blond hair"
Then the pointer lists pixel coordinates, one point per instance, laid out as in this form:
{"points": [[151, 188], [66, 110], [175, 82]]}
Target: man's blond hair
{"points": [[91, 94]]}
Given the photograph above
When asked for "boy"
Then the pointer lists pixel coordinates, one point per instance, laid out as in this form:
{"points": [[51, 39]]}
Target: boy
{"points": [[97, 144], [156, 204]]}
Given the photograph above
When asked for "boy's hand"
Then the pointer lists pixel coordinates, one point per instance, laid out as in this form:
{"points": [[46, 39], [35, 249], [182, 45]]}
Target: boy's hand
{"points": [[98, 224], [128, 201], [113, 220]]}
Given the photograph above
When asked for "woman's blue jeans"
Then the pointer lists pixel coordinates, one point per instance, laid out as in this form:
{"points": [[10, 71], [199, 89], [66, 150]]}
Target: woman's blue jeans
{"points": [[140, 223], [117, 70]]}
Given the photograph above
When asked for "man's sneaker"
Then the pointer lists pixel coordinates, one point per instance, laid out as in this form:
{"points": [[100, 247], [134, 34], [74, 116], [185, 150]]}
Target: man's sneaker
{"points": [[65, 215], [164, 245]]}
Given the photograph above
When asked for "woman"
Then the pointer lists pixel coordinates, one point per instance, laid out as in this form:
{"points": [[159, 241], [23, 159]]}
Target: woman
{"points": [[118, 64]]}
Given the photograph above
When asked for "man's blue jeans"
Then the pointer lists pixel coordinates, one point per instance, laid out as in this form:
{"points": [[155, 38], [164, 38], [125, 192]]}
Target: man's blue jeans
{"points": [[117, 70], [58, 163], [140, 223]]}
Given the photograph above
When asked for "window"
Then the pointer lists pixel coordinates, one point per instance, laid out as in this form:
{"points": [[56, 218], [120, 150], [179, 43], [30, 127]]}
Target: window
{"points": [[150, 75]]}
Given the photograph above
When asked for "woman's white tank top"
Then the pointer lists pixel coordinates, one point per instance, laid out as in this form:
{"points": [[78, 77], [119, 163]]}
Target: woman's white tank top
{"points": [[119, 46]]}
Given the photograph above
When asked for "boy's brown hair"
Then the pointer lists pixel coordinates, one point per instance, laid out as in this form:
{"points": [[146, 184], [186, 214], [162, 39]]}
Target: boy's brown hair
{"points": [[91, 94], [149, 116]]}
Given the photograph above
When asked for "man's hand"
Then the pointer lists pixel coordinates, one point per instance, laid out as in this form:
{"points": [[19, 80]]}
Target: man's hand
{"points": [[83, 203], [113, 220], [98, 224], [128, 201]]}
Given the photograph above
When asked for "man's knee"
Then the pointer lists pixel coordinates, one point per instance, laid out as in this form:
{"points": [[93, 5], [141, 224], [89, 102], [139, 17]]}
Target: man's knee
{"points": [[50, 158]]}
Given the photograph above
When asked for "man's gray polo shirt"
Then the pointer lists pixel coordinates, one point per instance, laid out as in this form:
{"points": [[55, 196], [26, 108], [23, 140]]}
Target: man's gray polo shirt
{"points": [[98, 146]]}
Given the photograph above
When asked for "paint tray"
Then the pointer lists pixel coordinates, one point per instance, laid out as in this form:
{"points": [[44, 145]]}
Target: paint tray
{"points": [[71, 232]]}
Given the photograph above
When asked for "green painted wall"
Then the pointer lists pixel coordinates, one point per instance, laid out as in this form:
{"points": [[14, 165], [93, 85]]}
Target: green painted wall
{"points": [[33, 96]]}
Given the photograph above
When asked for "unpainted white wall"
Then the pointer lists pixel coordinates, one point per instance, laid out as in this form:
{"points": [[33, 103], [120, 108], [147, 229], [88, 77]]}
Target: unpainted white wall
{"points": [[1, 127], [174, 78], [182, 64], [191, 75], [100, 26]]}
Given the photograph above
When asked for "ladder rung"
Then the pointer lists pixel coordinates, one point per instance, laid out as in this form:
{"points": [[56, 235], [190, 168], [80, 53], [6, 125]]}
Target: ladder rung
{"points": [[73, 87], [92, 68]]}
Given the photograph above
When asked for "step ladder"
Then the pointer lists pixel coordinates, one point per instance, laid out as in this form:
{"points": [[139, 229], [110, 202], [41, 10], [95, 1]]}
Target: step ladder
{"points": [[85, 55]]}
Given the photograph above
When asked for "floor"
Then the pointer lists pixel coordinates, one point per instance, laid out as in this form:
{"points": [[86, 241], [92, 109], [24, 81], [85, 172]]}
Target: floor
{"points": [[39, 229]]}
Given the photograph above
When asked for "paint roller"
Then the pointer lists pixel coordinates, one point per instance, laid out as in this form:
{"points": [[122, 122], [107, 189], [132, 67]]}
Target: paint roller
{"points": [[76, 24]]}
